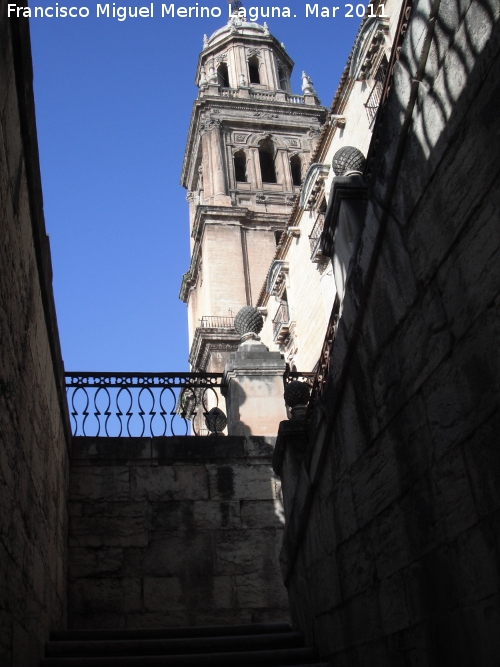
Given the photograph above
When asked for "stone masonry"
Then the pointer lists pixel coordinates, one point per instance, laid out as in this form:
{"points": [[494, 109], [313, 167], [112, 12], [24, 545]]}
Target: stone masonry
{"points": [[34, 433], [178, 531], [392, 552]]}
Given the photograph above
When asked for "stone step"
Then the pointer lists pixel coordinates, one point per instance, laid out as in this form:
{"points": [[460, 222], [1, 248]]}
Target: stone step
{"points": [[178, 646], [266, 658], [172, 633], [262, 644]]}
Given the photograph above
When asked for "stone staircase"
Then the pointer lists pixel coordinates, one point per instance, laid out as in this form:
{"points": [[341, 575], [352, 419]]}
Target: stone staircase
{"points": [[259, 644]]}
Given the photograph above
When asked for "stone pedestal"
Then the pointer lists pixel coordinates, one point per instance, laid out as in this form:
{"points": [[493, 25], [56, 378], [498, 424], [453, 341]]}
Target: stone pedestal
{"points": [[253, 387], [289, 453]]}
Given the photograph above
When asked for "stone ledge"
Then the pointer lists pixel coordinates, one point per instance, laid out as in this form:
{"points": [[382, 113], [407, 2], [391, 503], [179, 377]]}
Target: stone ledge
{"points": [[167, 448]]}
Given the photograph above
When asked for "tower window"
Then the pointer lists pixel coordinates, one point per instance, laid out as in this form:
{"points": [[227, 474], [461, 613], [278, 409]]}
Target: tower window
{"points": [[266, 159], [223, 75], [253, 69], [240, 163], [296, 167], [282, 78]]}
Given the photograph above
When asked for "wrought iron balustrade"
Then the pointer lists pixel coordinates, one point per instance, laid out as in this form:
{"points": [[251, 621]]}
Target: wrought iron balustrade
{"points": [[315, 235], [373, 102], [139, 404], [281, 322], [216, 322], [323, 367]]}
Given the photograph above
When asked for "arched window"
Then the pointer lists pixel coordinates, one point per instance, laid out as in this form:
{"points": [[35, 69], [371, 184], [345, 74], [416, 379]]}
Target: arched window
{"points": [[266, 159], [223, 75], [296, 166], [253, 69], [240, 164], [282, 78]]}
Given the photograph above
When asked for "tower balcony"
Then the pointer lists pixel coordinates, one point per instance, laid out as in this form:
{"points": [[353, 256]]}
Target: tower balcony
{"points": [[281, 324], [259, 94]]}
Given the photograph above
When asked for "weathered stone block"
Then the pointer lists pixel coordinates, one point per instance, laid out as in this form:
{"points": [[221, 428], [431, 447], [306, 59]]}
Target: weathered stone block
{"points": [[168, 483], [174, 619], [252, 592], [482, 462], [109, 531], [163, 594], [167, 557], [262, 514], [251, 482], [247, 551], [99, 483], [356, 564], [94, 596], [116, 509], [84, 562], [111, 448], [223, 593], [396, 460]]}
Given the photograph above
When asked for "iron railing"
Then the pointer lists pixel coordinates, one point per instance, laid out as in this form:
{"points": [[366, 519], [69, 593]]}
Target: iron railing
{"points": [[216, 322], [139, 404], [373, 102], [281, 319], [315, 235], [323, 366]]}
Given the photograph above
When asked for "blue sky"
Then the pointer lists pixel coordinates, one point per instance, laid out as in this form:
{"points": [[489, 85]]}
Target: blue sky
{"points": [[113, 103]]}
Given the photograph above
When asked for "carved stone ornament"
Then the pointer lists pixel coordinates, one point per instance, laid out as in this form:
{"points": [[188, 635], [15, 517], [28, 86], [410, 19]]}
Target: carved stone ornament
{"points": [[294, 143], [190, 196], [367, 47], [314, 131], [261, 199], [221, 58], [215, 420], [241, 138], [259, 114], [276, 280], [253, 52], [248, 321], [297, 393], [348, 159]]}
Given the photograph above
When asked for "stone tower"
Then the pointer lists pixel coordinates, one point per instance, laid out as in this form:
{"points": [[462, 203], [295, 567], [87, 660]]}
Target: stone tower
{"points": [[249, 143]]}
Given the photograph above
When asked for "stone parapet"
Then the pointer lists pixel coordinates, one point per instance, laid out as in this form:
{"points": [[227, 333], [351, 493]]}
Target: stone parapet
{"points": [[174, 531]]}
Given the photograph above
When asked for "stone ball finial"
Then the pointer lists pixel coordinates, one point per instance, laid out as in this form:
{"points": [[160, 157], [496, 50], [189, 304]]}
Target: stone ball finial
{"points": [[248, 321], [297, 393], [215, 420], [347, 159]]}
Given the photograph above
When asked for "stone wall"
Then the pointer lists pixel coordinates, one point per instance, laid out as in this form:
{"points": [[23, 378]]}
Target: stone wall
{"points": [[392, 547], [33, 413], [174, 531]]}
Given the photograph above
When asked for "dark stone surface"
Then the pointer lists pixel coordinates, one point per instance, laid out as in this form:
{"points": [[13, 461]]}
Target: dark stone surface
{"points": [[391, 552], [174, 532], [34, 433]]}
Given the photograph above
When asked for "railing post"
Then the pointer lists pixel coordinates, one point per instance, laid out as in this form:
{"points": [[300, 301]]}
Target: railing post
{"points": [[253, 381]]}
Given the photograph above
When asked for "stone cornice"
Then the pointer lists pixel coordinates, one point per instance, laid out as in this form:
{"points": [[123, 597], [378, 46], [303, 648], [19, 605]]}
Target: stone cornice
{"points": [[206, 341]]}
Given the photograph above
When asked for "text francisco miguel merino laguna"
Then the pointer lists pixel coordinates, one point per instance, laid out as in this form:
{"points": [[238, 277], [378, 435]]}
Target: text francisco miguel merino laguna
{"points": [[121, 13]]}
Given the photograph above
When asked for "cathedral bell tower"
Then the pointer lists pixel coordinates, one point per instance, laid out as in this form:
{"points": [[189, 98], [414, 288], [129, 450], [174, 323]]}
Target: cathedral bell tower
{"points": [[249, 144]]}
